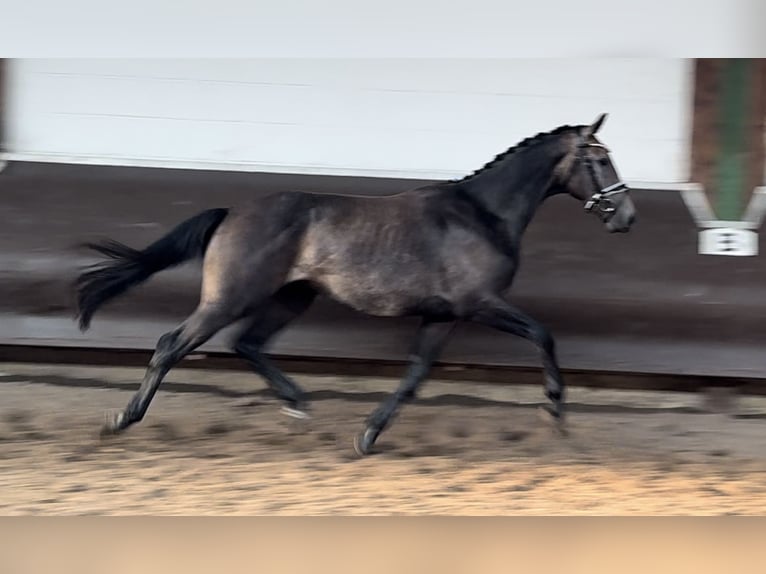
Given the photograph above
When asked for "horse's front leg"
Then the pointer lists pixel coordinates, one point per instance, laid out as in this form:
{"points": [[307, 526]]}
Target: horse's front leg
{"points": [[430, 339], [501, 315]]}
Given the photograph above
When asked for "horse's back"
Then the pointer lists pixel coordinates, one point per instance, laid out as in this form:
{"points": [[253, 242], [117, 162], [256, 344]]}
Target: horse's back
{"points": [[380, 255]]}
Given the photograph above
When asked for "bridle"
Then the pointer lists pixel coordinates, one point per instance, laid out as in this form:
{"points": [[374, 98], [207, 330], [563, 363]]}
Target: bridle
{"points": [[601, 199]]}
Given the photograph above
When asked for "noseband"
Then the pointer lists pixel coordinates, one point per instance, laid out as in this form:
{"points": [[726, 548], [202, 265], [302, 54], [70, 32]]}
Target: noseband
{"points": [[601, 199]]}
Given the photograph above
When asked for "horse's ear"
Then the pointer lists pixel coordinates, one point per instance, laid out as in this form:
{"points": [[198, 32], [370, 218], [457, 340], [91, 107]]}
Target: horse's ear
{"points": [[595, 126]]}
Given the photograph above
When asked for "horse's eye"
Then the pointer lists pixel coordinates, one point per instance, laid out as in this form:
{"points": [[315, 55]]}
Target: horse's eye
{"points": [[604, 161]]}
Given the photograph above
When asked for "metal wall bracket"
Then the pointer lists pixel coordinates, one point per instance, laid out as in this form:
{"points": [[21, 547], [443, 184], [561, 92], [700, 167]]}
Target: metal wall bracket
{"points": [[731, 238]]}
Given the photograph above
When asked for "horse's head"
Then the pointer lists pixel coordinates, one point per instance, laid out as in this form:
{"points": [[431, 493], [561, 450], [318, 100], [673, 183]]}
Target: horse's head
{"points": [[591, 177]]}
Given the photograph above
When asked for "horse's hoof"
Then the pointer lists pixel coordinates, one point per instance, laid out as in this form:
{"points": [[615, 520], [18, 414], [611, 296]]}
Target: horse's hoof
{"points": [[113, 424], [555, 420], [295, 413], [299, 420], [363, 442]]}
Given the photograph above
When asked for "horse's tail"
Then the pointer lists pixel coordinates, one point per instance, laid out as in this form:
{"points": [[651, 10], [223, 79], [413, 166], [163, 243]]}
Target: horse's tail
{"points": [[129, 267]]}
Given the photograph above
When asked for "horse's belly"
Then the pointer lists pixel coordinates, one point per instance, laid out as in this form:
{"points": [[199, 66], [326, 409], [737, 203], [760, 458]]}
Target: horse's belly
{"points": [[373, 293], [380, 277]]}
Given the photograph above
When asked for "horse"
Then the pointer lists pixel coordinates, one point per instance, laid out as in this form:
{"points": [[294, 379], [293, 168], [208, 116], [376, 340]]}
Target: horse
{"points": [[446, 252]]}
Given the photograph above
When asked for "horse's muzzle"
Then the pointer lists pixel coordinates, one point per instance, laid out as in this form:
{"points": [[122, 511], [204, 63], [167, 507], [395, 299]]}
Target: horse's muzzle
{"points": [[623, 218]]}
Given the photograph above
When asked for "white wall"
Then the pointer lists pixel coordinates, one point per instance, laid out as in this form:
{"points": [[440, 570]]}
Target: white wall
{"points": [[385, 117]]}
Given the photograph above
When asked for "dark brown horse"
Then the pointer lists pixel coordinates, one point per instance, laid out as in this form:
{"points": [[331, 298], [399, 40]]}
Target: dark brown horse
{"points": [[445, 252]]}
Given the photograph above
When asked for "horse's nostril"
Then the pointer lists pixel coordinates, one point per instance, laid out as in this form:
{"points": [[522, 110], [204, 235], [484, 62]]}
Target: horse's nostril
{"points": [[631, 218]]}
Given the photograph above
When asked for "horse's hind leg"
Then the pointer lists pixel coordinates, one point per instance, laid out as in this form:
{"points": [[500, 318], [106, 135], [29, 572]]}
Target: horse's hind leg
{"points": [[171, 348], [430, 339], [284, 306]]}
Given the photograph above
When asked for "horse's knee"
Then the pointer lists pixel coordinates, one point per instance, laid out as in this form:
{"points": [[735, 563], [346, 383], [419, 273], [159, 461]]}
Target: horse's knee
{"points": [[544, 340], [246, 348]]}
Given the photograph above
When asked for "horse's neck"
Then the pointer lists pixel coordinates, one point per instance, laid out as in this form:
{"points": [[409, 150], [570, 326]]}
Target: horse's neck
{"points": [[513, 193]]}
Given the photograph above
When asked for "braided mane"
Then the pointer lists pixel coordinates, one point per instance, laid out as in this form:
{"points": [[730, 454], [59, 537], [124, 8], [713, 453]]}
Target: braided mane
{"points": [[537, 138]]}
